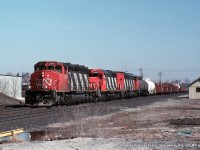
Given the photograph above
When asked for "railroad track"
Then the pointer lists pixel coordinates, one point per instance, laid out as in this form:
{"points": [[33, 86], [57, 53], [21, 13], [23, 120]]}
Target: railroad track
{"points": [[20, 117], [43, 112], [7, 111], [21, 112]]}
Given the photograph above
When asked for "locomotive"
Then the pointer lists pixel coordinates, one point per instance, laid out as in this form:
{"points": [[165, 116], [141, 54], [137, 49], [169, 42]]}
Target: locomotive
{"points": [[107, 85], [58, 83], [55, 83]]}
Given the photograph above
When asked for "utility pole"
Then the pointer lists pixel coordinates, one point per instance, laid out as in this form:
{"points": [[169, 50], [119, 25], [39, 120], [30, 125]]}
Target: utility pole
{"points": [[141, 73], [160, 75]]}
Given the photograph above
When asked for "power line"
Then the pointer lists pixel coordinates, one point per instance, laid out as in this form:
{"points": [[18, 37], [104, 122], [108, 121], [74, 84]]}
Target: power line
{"points": [[160, 75], [141, 73]]}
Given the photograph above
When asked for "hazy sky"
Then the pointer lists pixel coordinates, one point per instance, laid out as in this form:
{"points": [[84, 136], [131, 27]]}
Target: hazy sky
{"points": [[156, 35]]}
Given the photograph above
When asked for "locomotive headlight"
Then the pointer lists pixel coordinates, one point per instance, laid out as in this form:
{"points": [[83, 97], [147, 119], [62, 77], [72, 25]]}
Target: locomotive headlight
{"points": [[43, 74], [46, 87]]}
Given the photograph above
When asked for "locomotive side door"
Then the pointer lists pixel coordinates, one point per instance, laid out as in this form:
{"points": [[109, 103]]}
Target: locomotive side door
{"points": [[63, 78], [103, 82], [66, 78]]}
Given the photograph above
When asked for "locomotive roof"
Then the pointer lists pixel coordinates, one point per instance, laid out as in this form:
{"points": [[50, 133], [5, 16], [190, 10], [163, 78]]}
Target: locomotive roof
{"points": [[76, 66], [108, 71], [128, 75], [71, 66]]}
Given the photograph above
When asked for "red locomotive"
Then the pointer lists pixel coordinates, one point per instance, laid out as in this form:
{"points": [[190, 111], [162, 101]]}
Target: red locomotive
{"points": [[57, 83], [107, 84]]}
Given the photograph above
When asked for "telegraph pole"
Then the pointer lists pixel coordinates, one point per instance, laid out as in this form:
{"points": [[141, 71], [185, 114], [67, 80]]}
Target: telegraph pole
{"points": [[141, 73], [160, 75]]}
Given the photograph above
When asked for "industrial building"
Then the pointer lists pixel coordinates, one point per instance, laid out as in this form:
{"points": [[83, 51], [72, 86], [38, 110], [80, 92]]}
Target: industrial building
{"points": [[194, 89], [11, 85]]}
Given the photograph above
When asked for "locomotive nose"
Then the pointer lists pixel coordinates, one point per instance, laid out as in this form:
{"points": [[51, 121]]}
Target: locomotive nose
{"points": [[44, 81], [47, 82]]}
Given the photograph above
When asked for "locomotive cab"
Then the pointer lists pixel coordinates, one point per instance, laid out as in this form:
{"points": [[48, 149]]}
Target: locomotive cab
{"points": [[96, 80], [48, 79], [49, 76]]}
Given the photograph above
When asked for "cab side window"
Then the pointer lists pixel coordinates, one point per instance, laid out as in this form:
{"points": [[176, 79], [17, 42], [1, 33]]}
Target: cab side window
{"points": [[100, 76], [59, 69], [65, 70]]}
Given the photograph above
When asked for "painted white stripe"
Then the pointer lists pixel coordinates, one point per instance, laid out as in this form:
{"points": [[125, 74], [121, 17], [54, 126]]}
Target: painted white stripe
{"points": [[81, 80], [131, 87], [124, 83], [76, 80], [131, 84], [86, 80], [115, 83], [128, 82], [112, 83], [107, 86], [109, 83], [71, 82]]}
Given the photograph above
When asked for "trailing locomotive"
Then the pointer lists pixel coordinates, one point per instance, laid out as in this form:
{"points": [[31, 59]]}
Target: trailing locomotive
{"points": [[107, 84], [54, 83]]}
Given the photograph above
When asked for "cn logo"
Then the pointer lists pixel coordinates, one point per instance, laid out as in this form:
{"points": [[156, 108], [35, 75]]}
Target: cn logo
{"points": [[48, 81]]}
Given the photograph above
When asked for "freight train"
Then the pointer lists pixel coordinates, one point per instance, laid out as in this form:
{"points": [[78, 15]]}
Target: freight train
{"points": [[57, 83]]}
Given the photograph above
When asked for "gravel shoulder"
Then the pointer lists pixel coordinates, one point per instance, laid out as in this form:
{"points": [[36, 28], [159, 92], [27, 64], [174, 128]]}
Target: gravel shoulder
{"points": [[6, 100]]}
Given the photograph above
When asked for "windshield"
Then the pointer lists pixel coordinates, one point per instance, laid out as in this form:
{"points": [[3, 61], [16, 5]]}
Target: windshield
{"points": [[93, 75], [40, 68], [55, 68], [50, 67]]}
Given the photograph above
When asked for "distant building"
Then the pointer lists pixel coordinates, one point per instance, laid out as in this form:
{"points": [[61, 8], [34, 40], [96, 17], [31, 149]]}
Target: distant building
{"points": [[11, 85], [194, 89]]}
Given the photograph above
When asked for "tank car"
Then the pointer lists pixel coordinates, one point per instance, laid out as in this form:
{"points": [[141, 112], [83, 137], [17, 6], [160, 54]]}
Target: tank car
{"points": [[55, 83], [143, 87], [147, 87], [151, 87]]}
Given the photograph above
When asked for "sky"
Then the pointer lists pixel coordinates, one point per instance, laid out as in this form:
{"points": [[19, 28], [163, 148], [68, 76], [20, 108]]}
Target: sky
{"points": [[124, 35]]}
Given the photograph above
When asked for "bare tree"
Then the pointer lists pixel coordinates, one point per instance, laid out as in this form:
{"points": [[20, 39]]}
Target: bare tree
{"points": [[186, 80], [4, 87], [167, 81], [14, 87]]}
